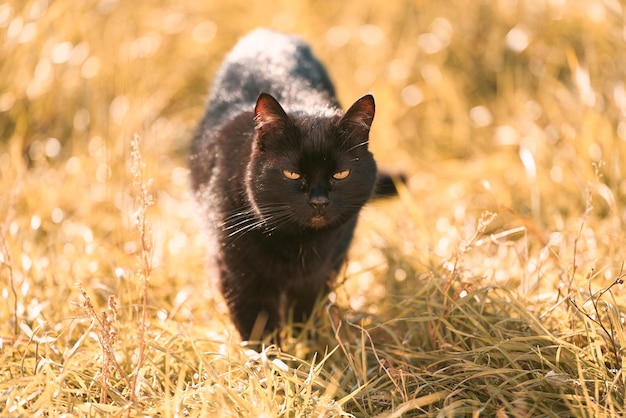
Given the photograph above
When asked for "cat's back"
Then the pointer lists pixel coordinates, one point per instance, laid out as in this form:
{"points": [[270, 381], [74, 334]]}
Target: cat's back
{"points": [[271, 62]]}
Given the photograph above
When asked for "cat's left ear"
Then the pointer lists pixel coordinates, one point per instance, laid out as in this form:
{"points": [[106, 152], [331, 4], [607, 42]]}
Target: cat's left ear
{"points": [[360, 115], [269, 114]]}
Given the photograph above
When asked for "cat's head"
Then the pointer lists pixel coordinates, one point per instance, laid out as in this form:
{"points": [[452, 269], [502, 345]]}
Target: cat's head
{"points": [[310, 169]]}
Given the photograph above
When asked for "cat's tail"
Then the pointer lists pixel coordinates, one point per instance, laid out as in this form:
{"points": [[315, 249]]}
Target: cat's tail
{"points": [[386, 184]]}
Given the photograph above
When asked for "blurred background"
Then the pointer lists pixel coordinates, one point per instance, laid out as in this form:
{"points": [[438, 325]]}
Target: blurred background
{"points": [[454, 80]]}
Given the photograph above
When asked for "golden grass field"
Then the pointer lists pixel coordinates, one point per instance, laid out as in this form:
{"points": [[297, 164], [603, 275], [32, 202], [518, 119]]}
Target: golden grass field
{"points": [[492, 286]]}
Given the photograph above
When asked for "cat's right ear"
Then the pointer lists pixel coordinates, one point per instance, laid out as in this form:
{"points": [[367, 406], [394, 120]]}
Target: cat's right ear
{"points": [[269, 115]]}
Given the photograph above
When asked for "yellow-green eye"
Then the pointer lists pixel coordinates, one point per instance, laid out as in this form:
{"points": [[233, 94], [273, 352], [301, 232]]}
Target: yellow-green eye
{"points": [[291, 175], [340, 175]]}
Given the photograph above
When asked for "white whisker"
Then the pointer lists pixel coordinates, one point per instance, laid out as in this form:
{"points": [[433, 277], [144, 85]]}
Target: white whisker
{"points": [[358, 145], [243, 221]]}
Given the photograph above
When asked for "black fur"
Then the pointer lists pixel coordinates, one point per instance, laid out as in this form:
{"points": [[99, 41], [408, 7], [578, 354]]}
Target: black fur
{"points": [[280, 174]]}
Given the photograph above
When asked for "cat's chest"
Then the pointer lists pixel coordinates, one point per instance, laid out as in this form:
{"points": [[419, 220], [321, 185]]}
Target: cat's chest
{"points": [[305, 252], [290, 258], [305, 261]]}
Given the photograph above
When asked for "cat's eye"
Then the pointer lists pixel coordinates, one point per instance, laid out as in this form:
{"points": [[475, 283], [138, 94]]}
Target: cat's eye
{"points": [[340, 175], [291, 175]]}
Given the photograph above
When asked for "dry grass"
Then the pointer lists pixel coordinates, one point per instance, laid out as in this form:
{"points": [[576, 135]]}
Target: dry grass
{"points": [[491, 287]]}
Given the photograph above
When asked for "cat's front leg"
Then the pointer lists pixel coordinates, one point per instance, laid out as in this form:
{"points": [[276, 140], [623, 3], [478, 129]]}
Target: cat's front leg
{"points": [[302, 298], [255, 315]]}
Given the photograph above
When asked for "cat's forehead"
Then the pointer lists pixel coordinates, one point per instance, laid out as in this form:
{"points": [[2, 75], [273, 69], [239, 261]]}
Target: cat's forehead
{"points": [[319, 136]]}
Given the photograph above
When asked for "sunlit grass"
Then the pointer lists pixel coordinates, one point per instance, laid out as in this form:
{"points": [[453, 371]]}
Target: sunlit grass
{"points": [[490, 287]]}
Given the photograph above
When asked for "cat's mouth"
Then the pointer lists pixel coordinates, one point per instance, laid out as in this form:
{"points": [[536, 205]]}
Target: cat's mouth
{"points": [[318, 221]]}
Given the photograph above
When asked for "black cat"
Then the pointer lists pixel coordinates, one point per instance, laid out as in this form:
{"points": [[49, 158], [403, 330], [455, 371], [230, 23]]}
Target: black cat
{"points": [[280, 174]]}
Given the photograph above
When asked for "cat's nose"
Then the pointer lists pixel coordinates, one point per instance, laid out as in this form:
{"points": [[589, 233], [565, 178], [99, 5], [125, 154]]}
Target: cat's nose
{"points": [[319, 202], [318, 197]]}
